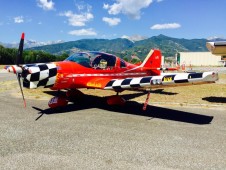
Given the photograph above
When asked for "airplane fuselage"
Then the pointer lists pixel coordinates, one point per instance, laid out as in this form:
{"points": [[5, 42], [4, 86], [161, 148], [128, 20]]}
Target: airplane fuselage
{"points": [[70, 75]]}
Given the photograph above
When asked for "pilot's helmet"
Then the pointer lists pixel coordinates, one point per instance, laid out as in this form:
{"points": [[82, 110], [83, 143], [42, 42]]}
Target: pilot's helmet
{"points": [[103, 64]]}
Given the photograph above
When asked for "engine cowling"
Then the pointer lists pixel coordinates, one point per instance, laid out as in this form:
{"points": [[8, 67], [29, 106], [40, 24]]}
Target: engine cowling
{"points": [[42, 74]]}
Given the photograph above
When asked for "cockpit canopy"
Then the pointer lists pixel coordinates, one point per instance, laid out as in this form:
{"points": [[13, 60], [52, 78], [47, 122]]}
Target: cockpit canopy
{"points": [[93, 59]]}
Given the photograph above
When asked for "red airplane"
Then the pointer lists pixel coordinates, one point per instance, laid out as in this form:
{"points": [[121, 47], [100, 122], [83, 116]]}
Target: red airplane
{"points": [[98, 70]]}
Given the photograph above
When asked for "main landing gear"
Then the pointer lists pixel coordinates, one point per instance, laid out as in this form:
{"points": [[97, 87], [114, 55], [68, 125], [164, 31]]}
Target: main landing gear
{"points": [[75, 95], [116, 100], [62, 99], [146, 101]]}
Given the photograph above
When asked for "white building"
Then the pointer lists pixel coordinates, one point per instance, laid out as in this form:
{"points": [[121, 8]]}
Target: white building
{"points": [[198, 59]]}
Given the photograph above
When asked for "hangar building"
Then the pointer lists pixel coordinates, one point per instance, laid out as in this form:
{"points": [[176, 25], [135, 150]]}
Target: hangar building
{"points": [[198, 59]]}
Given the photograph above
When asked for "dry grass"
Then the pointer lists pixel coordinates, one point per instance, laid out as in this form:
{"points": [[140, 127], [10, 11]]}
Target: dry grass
{"points": [[222, 76], [2, 66], [6, 85]]}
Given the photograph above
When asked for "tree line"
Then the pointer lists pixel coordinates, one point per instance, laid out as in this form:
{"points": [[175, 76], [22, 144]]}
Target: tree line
{"points": [[8, 56]]}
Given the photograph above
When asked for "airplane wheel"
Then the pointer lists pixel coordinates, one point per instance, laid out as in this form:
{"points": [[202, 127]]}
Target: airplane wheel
{"points": [[116, 100], [58, 102]]}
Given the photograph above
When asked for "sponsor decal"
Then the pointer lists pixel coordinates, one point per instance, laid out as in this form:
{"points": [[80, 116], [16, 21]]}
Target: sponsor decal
{"points": [[54, 100], [167, 79], [90, 84]]}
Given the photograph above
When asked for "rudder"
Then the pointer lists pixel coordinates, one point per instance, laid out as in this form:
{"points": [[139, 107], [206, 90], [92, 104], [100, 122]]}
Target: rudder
{"points": [[153, 61]]}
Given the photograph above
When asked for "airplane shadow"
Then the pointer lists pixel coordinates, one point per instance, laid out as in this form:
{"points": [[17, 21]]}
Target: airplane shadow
{"points": [[160, 91], [156, 91], [213, 99], [139, 93], [131, 107]]}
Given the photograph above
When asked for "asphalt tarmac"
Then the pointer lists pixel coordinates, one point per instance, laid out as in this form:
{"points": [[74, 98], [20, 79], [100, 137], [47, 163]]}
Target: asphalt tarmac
{"points": [[91, 135]]}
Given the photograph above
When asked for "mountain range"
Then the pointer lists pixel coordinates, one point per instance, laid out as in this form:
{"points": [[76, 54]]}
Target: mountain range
{"points": [[125, 47], [30, 43]]}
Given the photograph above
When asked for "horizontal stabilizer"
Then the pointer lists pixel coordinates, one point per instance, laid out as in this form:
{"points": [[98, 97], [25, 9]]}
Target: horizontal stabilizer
{"points": [[161, 68]]}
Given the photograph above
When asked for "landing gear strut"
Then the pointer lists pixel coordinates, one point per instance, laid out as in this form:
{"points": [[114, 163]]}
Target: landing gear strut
{"points": [[146, 101], [118, 100]]}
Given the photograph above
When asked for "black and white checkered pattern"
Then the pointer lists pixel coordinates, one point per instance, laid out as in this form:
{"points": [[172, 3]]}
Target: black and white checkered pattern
{"points": [[163, 79], [41, 74]]}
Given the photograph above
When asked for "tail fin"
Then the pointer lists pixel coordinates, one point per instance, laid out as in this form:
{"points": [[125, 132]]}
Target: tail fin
{"points": [[153, 61]]}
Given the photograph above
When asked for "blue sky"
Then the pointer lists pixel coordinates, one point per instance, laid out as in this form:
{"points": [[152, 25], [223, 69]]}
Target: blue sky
{"points": [[68, 20]]}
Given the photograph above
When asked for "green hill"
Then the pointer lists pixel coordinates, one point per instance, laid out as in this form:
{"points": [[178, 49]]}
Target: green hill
{"points": [[88, 44], [169, 46], [125, 48]]}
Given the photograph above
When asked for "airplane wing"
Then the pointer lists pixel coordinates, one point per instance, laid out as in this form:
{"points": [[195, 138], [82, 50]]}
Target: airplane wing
{"points": [[148, 82], [165, 79]]}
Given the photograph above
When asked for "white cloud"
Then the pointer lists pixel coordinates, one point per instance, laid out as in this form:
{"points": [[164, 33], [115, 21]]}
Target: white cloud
{"points": [[46, 4], [82, 6], [159, 0], [165, 26], [83, 32], [111, 21], [77, 19], [115, 9], [131, 8], [106, 6], [19, 19]]}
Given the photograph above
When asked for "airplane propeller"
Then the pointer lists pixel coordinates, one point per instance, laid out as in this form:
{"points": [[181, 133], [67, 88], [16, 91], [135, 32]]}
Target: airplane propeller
{"points": [[18, 62]]}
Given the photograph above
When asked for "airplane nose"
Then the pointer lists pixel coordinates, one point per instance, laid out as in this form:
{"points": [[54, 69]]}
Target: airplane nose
{"points": [[40, 75], [13, 69]]}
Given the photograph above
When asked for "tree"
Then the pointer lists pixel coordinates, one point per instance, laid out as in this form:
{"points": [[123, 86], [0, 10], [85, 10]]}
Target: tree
{"points": [[62, 57]]}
